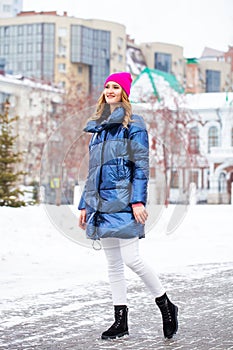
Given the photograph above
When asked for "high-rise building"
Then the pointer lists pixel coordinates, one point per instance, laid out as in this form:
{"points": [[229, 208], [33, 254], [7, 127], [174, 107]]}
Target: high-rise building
{"points": [[10, 8], [54, 48]]}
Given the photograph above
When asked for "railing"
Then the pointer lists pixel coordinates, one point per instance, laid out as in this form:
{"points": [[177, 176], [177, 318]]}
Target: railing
{"points": [[221, 151]]}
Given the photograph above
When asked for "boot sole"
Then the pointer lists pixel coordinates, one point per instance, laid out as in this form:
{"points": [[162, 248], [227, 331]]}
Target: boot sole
{"points": [[176, 329], [114, 336]]}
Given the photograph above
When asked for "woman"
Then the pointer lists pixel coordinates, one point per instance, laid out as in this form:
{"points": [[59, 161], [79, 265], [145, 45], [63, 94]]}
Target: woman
{"points": [[114, 199]]}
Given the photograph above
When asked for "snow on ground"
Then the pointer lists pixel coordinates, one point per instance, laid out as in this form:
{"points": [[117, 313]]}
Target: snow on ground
{"points": [[36, 257]]}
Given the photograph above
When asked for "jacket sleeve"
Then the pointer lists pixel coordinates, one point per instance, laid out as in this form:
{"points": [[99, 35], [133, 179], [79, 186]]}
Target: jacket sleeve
{"points": [[82, 203], [139, 156]]}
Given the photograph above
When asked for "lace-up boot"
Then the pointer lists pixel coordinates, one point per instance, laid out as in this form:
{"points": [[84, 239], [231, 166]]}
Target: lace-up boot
{"points": [[120, 327], [169, 313]]}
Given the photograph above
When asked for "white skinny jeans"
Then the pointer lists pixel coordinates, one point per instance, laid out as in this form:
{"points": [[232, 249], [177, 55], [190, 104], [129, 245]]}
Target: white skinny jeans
{"points": [[120, 252]]}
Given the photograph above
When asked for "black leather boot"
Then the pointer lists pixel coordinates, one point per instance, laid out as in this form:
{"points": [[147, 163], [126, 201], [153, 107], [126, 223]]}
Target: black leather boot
{"points": [[169, 313], [120, 327]]}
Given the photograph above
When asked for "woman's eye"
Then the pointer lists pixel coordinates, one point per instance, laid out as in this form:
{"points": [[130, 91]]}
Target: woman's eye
{"points": [[115, 87]]}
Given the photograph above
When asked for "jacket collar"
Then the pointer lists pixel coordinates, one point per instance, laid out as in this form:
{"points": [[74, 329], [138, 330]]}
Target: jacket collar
{"points": [[116, 117]]}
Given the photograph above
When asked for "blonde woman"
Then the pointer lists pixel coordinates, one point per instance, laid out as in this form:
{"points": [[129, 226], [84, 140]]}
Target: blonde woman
{"points": [[113, 204]]}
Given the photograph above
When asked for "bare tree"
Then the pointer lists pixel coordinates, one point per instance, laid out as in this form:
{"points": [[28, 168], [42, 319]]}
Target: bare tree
{"points": [[66, 148], [172, 150]]}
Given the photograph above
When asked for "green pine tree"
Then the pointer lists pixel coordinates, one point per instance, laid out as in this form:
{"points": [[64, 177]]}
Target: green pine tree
{"points": [[9, 177]]}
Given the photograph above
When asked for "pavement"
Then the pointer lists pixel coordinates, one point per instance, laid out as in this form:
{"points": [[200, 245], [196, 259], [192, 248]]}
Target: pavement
{"points": [[66, 319]]}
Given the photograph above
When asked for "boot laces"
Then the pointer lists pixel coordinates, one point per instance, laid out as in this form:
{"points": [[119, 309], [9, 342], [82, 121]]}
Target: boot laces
{"points": [[118, 318], [166, 312]]}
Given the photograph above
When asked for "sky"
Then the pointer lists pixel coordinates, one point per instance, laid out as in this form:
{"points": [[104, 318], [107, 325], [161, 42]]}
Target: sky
{"points": [[192, 24]]}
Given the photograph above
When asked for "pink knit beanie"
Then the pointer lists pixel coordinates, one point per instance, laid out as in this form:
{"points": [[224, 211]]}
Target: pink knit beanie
{"points": [[124, 79]]}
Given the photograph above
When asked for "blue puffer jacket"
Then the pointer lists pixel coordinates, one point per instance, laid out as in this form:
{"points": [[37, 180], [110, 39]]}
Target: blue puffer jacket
{"points": [[117, 177]]}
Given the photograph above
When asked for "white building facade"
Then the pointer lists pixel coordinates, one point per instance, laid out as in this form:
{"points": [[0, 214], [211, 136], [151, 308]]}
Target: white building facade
{"points": [[204, 157], [34, 104]]}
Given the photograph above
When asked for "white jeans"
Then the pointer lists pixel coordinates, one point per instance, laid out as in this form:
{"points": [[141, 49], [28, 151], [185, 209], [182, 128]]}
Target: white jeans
{"points": [[126, 251]]}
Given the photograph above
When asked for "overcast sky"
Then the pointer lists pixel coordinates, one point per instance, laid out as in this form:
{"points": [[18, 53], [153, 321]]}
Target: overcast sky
{"points": [[192, 24]]}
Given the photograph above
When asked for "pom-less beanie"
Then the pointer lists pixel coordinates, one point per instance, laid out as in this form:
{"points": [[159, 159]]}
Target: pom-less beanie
{"points": [[124, 79]]}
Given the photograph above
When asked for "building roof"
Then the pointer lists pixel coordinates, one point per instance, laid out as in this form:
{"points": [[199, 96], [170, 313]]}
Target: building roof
{"points": [[209, 52], [153, 82], [19, 80], [209, 100]]}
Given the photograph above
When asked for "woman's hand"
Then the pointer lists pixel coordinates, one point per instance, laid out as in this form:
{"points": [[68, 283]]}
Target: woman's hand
{"points": [[140, 213], [82, 219]]}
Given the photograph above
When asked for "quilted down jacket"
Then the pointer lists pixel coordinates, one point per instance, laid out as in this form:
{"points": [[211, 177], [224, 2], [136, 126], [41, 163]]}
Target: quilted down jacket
{"points": [[117, 177]]}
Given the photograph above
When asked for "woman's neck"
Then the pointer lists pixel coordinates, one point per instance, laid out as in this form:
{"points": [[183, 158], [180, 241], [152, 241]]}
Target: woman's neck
{"points": [[114, 106]]}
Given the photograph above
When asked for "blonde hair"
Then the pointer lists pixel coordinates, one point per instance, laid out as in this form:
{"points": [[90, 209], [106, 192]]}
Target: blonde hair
{"points": [[103, 109]]}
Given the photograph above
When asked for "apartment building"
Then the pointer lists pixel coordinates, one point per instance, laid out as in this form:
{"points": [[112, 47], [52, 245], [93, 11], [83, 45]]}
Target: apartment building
{"points": [[229, 57], [166, 57], [56, 48], [214, 71], [35, 105]]}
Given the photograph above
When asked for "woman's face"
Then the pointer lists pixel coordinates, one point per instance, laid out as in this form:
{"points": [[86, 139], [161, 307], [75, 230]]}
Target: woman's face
{"points": [[112, 92]]}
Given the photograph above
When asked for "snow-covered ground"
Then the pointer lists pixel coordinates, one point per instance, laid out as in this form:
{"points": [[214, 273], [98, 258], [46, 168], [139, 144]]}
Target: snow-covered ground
{"points": [[36, 257]]}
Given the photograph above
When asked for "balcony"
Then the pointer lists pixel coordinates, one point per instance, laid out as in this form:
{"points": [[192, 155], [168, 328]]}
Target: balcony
{"points": [[221, 151]]}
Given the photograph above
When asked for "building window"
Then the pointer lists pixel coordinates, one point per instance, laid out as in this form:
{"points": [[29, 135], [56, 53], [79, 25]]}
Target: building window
{"points": [[20, 30], [29, 47], [20, 48], [62, 84], [174, 179], [38, 47], [103, 53], [38, 65], [6, 8], [29, 65], [6, 49], [19, 66], [222, 183], [194, 142], [38, 28], [2, 63], [163, 62], [119, 42], [213, 78], [213, 137], [62, 50], [80, 69], [6, 31], [29, 29], [62, 67], [120, 58], [47, 51]]}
